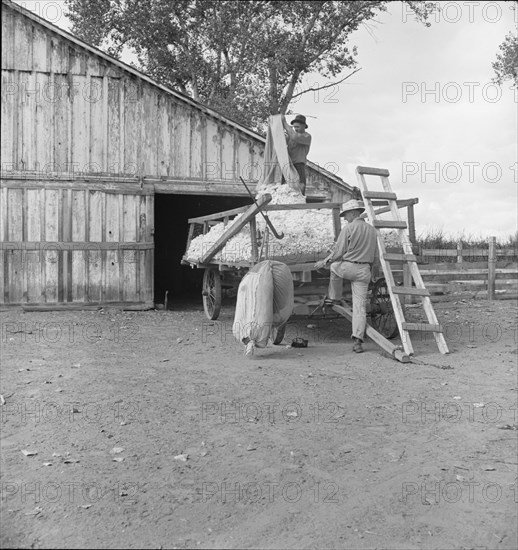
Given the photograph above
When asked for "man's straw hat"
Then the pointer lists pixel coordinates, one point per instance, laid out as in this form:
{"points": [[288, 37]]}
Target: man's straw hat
{"points": [[352, 205]]}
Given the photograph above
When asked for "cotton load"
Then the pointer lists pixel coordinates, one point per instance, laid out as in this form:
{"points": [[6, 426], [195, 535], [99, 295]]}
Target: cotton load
{"points": [[264, 304], [306, 233]]}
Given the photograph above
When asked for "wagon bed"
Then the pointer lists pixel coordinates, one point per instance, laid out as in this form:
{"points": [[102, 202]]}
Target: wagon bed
{"points": [[218, 273]]}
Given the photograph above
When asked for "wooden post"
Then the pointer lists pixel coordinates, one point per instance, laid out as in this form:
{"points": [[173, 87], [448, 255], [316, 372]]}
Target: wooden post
{"points": [[253, 238], [189, 237], [337, 225], [459, 252], [407, 282], [411, 224], [491, 271]]}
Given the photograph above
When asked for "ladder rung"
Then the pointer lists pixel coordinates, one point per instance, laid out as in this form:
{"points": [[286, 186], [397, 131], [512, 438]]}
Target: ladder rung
{"points": [[410, 290], [394, 224], [424, 327], [379, 195], [372, 171], [400, 257]]}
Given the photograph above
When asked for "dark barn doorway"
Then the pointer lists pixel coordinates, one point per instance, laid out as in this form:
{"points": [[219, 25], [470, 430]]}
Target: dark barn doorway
{"points": [[171, 230]]}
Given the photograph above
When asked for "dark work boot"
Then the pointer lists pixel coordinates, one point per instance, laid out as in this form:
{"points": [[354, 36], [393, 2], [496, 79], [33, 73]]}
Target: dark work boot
{"points": [[358, 345]]}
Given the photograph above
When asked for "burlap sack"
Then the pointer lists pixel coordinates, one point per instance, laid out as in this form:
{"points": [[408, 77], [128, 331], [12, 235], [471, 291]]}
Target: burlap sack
{"points": [[264, 302]]}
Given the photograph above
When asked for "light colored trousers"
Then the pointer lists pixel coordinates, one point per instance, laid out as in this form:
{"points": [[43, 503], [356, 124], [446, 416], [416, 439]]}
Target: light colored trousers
{"points": [[360, 276]]}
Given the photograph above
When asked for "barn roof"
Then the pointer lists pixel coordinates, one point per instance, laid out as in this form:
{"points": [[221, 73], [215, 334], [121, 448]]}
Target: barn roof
{"points": [[332, 178]]}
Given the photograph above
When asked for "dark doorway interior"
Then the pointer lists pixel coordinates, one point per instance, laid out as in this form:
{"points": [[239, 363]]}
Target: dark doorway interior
{"points": [[171, 229]]}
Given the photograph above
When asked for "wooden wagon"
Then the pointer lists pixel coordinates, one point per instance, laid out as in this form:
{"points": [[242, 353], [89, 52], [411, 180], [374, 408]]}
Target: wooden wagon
{"points": [[221, 274]]}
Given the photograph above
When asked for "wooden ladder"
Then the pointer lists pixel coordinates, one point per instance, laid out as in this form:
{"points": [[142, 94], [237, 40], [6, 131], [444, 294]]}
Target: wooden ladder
{"points": [[407, 257]]}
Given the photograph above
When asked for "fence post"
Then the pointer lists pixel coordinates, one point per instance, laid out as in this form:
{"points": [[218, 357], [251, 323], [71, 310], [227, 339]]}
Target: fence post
{"points": [[491, 269], [459, 252]]}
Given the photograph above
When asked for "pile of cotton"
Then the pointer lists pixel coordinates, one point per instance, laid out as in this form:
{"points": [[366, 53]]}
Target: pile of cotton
{"points": [[305, 232], [238, 248]]}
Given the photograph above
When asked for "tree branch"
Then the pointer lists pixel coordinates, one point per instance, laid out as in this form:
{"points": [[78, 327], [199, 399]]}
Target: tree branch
{"points": [[326, 86]]}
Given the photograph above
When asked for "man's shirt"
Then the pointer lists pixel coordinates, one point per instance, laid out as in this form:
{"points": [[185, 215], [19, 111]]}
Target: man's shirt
{"points": [[357, 242], [298, 146]]}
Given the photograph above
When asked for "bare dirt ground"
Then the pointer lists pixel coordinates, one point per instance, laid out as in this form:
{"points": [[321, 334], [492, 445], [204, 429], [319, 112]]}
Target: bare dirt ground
{"points": [[151, 430]]}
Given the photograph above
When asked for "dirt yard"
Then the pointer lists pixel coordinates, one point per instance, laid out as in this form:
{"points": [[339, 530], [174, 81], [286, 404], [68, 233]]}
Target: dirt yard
{"points": [[151, 430]]}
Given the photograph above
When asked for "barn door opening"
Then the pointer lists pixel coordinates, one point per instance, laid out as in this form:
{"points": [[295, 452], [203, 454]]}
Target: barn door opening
{"points": [[171, 229]]}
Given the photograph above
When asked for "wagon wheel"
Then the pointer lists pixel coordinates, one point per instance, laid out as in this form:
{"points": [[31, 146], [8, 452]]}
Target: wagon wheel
{"points": [[382, 312], [211, 293]]}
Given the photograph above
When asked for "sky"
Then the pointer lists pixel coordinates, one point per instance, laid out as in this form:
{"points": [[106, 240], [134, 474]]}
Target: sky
{"points": [[422, 106]]}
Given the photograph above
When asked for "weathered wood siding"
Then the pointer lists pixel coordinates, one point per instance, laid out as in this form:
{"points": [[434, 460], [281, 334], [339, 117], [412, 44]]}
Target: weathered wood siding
{"points": [[68, 111], [86, 142], [65, 244]]}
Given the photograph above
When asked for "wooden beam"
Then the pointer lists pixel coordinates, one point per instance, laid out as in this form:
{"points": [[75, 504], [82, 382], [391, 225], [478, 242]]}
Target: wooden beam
{"points": [[253, 238], [399, 203], [218, 215], [379, 195], [491, 269], [86, 306], [376, 337], [337, 225], [235, 228], [411, 225], [390, 257], [120, 187], [87, 246], [62, 307], [423, 327], [395, 224], [302, 206], [410, 291], [372, 171]]}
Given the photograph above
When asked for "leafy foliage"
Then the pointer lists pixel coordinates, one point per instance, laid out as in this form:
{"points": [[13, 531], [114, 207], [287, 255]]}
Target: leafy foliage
{"points": [[506, 64], [241, 58]]}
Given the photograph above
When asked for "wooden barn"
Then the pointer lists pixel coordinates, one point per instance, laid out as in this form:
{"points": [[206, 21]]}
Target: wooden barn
{"points": [[102, 167]]}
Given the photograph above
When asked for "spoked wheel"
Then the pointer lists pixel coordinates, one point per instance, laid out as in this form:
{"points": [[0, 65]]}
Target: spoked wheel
{"points": [[211, 293], [381, 310]]}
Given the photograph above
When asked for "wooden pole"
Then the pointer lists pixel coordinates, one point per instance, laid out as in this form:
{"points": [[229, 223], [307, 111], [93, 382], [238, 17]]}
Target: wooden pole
{"points": [[253, 238], [491, 269], [267, 242], [407, 282], [411, 224], [375, 336], [459, 252], [337, 225]]}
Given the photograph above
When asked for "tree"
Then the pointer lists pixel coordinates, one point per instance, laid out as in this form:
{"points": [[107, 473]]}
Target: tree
{"points": [[506, 64], [244, 59]]}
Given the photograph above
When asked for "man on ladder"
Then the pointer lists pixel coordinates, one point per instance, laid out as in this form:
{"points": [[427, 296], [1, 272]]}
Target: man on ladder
{"points": [[354, 254], [298, 142]]}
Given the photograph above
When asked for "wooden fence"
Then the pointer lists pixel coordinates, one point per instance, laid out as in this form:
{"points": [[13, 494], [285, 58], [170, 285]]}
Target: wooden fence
{"points": [[468, 269]]}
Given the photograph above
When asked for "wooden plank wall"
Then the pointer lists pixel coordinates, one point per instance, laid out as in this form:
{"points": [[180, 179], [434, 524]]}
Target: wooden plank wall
{"points": [[66, 245], [69, 111]]}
